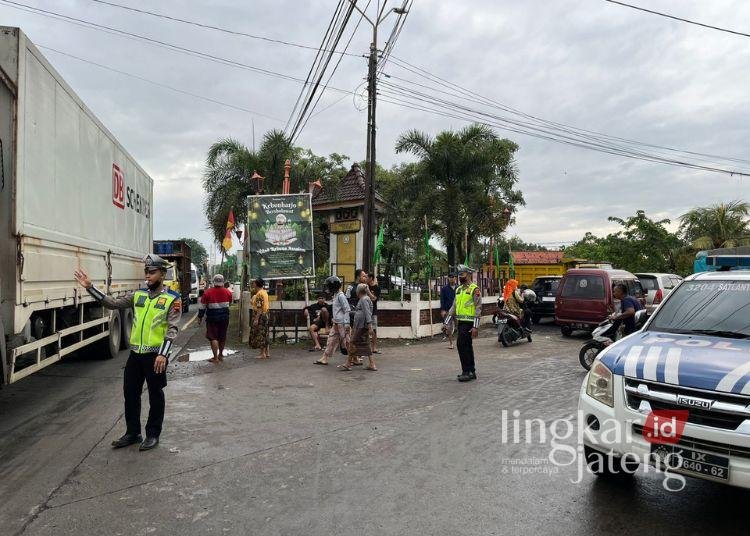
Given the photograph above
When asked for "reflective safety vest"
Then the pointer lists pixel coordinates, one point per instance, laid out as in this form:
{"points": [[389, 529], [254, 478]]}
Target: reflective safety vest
{"points": [[150, 320], [465, 309]]}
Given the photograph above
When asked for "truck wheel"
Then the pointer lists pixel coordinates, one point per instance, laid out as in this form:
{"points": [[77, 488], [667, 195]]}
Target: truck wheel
{"points": [[109, 347], [609, 466], [127, 328], [588, 353], [566, 331]]}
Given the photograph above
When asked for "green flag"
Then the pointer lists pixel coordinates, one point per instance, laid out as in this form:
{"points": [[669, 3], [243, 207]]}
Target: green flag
{"points": [[428, 253], [511, 267], [378, 247]]}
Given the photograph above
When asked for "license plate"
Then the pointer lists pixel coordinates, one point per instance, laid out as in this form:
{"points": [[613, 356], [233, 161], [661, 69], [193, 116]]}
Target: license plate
{"points": [[689, 461], [548, 298]]}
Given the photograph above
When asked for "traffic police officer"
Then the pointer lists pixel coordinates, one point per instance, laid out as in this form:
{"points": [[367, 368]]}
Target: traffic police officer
{"points": [[157, 311], [467, 310]]}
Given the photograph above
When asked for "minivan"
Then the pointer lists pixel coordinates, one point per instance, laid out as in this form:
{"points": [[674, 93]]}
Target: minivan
{"points": [[584, 297], [194, 291]]}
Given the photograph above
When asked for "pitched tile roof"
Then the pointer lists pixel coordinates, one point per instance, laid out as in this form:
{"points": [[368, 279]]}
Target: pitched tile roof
{"points": [[537, 257], [351, 188]]}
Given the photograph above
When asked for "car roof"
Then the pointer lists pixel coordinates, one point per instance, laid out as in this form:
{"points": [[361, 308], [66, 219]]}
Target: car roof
{"points": [[734, 275], [548, 277], [600, 271], [656, 274]]}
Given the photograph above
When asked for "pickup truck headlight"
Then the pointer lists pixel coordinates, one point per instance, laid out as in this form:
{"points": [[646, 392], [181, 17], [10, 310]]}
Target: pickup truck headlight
{"points": [[599, 384]]}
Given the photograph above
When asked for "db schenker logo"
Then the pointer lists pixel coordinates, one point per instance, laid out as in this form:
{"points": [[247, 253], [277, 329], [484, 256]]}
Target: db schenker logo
{"points": [[118, 187], [665, 426]]}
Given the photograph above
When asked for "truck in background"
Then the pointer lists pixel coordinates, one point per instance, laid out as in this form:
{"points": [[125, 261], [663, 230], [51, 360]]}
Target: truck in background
{"points": [[194, 284], [178, 276], [70, 197]]}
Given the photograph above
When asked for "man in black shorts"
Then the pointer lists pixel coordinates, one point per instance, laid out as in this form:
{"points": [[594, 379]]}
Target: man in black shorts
{"points": [[319, 316]]}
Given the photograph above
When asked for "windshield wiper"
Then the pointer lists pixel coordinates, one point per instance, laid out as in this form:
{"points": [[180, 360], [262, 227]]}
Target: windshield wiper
{"points": [[720, 333]]}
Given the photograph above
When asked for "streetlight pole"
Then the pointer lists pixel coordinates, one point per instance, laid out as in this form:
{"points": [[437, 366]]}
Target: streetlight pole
{"points": [[369, 205]]}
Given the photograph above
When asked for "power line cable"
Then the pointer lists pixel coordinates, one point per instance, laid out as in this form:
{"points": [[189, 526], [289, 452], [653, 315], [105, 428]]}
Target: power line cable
{"points": [[216, 28], [673, 17], [156, 42], [467, 114], [159, 84], [595, 135]]}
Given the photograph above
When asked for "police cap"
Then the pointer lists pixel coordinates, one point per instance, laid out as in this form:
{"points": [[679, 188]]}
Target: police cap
{"points": [[152, 261]]}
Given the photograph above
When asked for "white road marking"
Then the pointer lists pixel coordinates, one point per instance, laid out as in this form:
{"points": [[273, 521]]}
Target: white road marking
{"points": [[672, 366], [649, 364], [631, 361], [187, 325]]}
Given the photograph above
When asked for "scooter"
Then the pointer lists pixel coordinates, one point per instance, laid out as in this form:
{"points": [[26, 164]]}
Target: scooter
{"points": [[601, 338], [509, 329]]}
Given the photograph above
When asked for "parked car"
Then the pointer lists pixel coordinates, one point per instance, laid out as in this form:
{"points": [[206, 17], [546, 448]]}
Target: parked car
{"points": [[657, 287], [584, 297], [690, 361], [545, 288]]}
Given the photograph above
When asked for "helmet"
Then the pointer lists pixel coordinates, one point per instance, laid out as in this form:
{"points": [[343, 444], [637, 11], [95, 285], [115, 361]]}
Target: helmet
{"points": [[151, 261], [333, 284], [462, 268], [529, 295]]}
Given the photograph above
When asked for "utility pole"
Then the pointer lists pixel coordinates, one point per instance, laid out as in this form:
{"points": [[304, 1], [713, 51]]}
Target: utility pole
{"points": [[368, 248], [369, 209]]}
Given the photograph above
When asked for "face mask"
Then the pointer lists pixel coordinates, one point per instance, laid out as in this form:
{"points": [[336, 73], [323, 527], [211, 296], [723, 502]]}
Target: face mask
{"points": [[462, 280]]}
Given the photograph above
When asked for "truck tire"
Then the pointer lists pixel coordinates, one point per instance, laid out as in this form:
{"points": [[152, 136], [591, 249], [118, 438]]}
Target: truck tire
{"points": [[566, 331], [110, 347], [127, 327]]}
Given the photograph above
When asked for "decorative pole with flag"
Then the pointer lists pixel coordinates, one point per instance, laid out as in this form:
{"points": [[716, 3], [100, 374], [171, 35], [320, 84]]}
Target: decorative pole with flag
{"points": [[378, 249], [511, 266], [226, 244], [428, 258]]}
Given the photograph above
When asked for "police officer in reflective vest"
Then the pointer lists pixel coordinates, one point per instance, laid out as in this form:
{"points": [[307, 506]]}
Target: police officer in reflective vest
{"points": [[467, 310], [157, 311]]}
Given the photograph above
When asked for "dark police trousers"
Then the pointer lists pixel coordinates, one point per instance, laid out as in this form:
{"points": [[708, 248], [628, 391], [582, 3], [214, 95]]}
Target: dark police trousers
{"points": [[465, 345], [140, 367]]}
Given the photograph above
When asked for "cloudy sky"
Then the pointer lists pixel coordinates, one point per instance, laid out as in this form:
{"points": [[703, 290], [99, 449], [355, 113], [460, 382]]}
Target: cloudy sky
{"points": [[587, 63]]}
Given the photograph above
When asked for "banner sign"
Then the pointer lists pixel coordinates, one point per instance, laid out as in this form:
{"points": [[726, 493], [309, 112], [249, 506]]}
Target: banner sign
{"points": [[280, 236]]}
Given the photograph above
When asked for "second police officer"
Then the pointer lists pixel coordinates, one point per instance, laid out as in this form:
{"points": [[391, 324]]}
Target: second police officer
{"points": [[156, 312], [467, 312]]}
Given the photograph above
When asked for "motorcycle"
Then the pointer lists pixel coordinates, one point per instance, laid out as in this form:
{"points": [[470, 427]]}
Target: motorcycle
{"points": [[509, 329], [601, 338]]}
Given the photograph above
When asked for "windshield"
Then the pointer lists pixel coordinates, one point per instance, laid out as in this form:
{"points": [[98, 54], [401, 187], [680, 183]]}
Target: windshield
{"points": [[545, 285], [587, 287], [710, 307], [648, 283], [193, 276]]}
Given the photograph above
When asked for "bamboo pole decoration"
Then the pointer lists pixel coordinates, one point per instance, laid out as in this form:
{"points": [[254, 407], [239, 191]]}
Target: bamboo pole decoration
{"points": [[429, 288]]}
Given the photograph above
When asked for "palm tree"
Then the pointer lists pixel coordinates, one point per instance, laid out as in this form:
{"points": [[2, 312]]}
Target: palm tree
{"points": [[465, 180], [717, 226]]}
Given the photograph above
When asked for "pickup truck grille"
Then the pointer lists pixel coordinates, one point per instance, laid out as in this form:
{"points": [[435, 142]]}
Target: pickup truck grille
{"points": [[715, 447], [727, 411]]}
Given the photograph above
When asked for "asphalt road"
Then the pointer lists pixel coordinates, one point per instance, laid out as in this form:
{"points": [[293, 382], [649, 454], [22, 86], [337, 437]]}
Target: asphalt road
{"points": [[286, 447]]}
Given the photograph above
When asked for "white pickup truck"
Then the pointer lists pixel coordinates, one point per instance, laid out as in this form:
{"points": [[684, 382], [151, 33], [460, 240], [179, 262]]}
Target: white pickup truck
{"points": [[70, 197], [676, 395]]}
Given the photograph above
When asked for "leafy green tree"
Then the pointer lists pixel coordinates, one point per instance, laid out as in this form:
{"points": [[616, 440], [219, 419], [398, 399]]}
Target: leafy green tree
{"points": [[717, 226], [642, 245], [465, 181], [198, 253]]}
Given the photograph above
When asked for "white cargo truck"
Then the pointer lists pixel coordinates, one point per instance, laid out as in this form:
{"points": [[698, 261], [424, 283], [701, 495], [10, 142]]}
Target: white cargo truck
{"points": [[70, 197]]}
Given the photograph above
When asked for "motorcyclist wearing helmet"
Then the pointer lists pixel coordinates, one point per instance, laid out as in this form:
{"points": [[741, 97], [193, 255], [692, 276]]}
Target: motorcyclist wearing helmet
{"points": [[339, 334]]}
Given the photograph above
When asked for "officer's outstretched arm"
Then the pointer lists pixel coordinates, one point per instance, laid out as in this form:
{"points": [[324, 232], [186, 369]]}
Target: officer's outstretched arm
{"points": [[123, 302]]}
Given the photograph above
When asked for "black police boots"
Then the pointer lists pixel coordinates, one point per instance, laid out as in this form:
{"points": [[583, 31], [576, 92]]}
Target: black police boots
{"points": [[126, 440], [149, 443]]}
